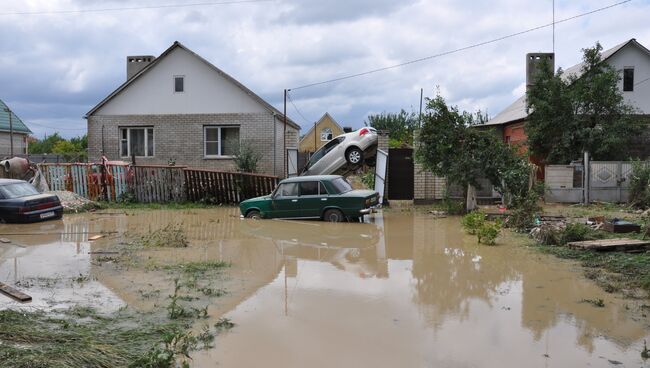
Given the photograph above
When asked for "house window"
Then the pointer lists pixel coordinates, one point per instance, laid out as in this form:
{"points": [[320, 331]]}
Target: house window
{"points": [[628, 79], [137, 141], [220, 141], [179, 84], [326, 134]]}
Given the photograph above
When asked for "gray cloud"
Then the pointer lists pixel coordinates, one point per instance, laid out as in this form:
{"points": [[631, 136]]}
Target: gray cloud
{"points": [[54, 68]]}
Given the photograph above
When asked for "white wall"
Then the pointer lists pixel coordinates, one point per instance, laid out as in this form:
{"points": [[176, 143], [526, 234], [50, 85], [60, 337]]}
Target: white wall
{"points": [[632, 56], [206, 91]]}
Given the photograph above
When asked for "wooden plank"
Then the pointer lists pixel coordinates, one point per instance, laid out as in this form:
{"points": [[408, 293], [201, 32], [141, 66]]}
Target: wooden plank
{"points": [[14, 293], [611, 244]]}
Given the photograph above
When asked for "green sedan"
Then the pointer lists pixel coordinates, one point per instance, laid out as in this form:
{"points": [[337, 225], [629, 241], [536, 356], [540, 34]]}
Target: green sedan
{"points": [[327, 197]]}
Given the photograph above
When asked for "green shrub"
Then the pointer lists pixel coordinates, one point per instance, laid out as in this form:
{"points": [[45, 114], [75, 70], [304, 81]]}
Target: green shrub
{"points": [[525, 210], [473, 221], [640, 185], [574, 233], [488, 232], [247, 158], [368, 179], [452, 206]]}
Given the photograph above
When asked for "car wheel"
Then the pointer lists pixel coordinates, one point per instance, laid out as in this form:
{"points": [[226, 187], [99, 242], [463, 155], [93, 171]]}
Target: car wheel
{"points": [[333, 215], [253, 214], [354, 156]]}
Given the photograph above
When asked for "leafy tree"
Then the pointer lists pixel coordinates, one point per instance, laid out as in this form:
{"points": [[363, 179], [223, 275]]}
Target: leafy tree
{"points": [[73, 149], [45, 145], [450, 146], [400, 125], [572, 114]]}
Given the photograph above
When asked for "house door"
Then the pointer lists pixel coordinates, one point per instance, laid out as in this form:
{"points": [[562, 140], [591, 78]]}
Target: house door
{"points": [[400, 173]]}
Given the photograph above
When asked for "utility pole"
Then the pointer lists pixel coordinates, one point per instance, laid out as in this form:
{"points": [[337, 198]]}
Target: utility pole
{"points": [[284, 136], [420, 116], [11, 133], [553, 26]]}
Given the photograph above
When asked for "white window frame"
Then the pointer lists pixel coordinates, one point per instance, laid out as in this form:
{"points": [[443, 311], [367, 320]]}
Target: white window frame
{"points": [[331, 134], [205, 140], [146, 140], [174, 84]]}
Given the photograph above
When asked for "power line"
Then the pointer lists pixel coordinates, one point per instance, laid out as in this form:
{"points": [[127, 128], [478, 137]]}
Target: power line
{"points": [[296, 108], [459, 49], [165, 6], [57, 128]]}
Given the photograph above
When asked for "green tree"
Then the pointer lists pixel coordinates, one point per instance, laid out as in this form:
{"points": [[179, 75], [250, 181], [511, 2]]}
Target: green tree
{"points": [[45, 145], [570, 114], [400, 126], [449, 145]]}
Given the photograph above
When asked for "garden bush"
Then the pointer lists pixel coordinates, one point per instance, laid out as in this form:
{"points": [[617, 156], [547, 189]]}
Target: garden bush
{"points": [[488, 232], [473, 221], [640, 185]]}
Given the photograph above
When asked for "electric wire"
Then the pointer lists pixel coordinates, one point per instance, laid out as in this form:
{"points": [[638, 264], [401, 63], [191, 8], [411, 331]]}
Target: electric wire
{"points": [[445, 53], [145, 7], [296, 108]]}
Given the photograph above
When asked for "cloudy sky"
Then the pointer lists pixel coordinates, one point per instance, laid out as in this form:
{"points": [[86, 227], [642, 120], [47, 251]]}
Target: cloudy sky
{"points": [[56, 65]]}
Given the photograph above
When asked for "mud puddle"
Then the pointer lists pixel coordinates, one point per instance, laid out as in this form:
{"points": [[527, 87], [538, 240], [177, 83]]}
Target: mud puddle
{"points": [[402, 290]]}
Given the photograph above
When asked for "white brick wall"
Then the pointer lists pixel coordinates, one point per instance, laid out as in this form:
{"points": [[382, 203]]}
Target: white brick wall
{"points": [[180, 138]]}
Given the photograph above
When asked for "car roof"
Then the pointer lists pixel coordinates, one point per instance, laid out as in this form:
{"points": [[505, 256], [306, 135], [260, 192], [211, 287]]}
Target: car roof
{"points": [[11, 181], [298, 179]]}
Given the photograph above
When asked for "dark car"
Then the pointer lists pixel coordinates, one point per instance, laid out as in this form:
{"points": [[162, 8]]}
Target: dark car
{"points": [[21, 202], [327, 197]]}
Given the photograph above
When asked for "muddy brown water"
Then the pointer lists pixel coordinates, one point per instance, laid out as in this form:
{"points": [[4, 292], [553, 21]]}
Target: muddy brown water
{"points": [[401, 290]]}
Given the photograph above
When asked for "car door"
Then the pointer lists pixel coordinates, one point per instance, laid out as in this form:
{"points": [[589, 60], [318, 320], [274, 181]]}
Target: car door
{"points": [[285, 202], [310, 200]]}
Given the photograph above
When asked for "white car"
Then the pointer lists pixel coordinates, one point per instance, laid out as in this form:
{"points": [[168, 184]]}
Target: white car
{"points": [[350, 148]]}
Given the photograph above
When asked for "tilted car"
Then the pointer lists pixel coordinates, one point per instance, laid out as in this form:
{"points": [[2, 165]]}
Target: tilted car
{"points": [[21, 202], [327, 197], [350, 148]]}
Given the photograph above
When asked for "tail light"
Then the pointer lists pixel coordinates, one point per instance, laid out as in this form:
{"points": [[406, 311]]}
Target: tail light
{"points": [[363, 132]]}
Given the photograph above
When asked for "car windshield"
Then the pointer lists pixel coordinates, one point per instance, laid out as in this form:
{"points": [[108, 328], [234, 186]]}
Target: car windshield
{"points": [[17, 190], [324, 150], [341, 185]]}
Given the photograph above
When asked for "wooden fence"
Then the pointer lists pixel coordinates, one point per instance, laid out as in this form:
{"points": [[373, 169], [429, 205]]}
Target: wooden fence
{"points": [[86, 179], [226, 187], [157, 183]]}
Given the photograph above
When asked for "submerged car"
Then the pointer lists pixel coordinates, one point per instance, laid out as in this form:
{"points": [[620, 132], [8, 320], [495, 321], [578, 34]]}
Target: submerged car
{"points": [[327, 197], [21, 202], [350, 148]]}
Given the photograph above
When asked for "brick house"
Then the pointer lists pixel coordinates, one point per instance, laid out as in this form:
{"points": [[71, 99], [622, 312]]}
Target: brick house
{"points": [[630, 57], [179, 107], [20, 133], [320, 133]]}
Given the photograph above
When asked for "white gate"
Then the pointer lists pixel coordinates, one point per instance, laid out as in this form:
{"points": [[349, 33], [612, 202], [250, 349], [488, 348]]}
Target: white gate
{"points": [[609, 181], [292, 162], [380, 174]]}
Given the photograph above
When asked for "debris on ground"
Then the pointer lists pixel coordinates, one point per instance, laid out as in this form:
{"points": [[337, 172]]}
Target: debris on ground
{"points": [[5, 240], [620, 244], [621, 226], [440, 214], [73, 203]]}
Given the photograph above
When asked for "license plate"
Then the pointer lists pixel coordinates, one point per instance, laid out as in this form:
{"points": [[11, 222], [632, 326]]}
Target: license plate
{"points": [[47, 215]]}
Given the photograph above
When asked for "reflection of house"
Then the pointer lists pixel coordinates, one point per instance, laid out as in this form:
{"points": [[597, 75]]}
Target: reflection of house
{"points": [[20, 132], [179, 107], [630, 58], [322, 132]]}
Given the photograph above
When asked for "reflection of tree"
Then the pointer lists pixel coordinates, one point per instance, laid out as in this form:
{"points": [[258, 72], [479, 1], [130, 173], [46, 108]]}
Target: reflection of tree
{"points": [[448, 274]]}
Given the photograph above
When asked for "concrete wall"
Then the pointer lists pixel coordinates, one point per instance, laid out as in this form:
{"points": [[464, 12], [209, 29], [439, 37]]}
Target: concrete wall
{"points": [[206, 92], [312, 140], [20, 144], [181, 138]]}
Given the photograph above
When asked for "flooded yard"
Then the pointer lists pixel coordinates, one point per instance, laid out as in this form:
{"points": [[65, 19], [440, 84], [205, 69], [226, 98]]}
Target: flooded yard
{"points": [[403, 289]]}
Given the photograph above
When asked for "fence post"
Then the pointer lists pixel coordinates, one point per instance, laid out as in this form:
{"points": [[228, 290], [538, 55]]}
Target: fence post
{"points": [[586, 177]]}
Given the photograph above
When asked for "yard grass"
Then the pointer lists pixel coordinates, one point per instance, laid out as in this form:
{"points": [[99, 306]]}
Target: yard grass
{"points": [[623, 272]]}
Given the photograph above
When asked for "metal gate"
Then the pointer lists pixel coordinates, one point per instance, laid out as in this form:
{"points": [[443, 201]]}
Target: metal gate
{"points": [[380, 174], [609, 181], [400, 173]]}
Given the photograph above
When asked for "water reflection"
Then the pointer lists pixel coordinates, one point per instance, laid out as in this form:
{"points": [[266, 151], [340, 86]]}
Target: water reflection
{"points": [[401, 289]]}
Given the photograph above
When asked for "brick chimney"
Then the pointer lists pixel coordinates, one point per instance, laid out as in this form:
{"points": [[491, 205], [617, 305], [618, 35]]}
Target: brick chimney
{"points": [[533, 65], [136, 63]]}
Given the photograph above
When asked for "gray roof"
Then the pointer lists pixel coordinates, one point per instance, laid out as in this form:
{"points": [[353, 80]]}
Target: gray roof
{"points": [[17, 124], [176, 44], [517, 110]]}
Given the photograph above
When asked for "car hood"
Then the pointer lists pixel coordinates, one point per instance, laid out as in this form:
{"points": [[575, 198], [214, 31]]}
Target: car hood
{"points": [[268, 196]]}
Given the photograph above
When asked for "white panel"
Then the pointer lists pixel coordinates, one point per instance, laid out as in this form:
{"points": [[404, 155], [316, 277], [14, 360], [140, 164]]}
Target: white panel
{"points": [[380, 173], [292, 162], [633, 57], [206, 91]]}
